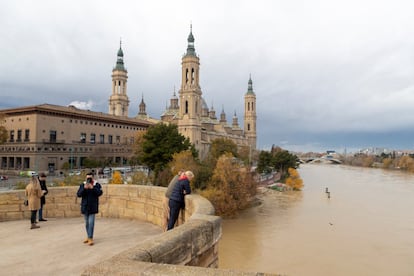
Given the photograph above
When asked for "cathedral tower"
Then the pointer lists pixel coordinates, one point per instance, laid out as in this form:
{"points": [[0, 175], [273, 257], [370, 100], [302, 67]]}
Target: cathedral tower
{"points": [[118, 101], [190, 94], [250, 115]]}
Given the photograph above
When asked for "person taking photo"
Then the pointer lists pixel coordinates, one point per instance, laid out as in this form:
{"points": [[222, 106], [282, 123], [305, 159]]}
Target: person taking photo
{"points": [[89, 191]]}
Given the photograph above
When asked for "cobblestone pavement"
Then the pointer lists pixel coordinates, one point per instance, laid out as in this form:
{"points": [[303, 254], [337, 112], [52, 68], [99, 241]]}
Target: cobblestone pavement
{"points": [[57, 247]]}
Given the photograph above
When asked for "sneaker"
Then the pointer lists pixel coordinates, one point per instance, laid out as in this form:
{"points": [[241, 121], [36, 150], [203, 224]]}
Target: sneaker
{"points": [[90, 242], [42, 219], [86, 240]]}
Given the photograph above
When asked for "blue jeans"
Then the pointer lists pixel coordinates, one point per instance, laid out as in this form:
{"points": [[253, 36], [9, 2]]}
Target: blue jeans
{"points": [[41, 212], [89, 224]]}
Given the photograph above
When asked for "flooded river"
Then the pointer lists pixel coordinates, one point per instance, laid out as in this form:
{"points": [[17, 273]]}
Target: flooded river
{"points": [[366, 227]]}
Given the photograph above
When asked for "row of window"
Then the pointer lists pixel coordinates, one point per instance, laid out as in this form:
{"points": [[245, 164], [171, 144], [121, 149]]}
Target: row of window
{"points": [[83, 137], [105, 124], [67, 149], [92, 138], [93, 123], [19, 135]]}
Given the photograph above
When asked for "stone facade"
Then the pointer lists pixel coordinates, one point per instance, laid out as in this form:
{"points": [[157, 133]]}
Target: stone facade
{"points": [[45, 137], [199, 123]]}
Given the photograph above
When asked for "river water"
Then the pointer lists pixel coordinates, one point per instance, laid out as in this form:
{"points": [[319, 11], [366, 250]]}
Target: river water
{"points": [[366, 227]]}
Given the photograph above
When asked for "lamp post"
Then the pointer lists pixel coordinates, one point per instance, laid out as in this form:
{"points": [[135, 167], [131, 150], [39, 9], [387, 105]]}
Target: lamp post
{"points": [[71, 159]]}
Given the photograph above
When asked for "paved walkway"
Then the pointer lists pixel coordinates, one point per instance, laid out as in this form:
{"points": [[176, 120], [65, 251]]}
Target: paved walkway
{"points": [[57, 248]]}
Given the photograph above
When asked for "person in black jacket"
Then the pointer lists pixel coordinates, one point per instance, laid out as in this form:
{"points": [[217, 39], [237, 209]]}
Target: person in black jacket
{"points": [[177, 202], [42, 181], [89, 191]]}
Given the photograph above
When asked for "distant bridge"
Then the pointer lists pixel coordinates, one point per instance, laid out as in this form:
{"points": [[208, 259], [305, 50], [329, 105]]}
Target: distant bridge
{"points": [[323, 159]]}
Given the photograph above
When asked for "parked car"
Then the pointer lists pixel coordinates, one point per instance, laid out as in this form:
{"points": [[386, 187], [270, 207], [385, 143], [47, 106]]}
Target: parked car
{"points": [[4, 177]]}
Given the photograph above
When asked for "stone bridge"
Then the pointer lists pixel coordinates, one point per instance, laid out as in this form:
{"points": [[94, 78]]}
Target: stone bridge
{"points": [[191, 248]]}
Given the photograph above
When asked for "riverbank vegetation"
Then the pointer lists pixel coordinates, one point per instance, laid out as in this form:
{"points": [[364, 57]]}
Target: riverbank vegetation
{"points": [[283, 162], [393, 161]]}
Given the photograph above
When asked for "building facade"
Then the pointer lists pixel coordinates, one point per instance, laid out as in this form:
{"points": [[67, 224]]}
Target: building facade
{"points": [[199, 123], [46, 137]]}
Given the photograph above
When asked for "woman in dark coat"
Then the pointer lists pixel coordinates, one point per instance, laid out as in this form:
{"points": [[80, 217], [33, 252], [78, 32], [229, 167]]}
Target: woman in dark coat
{"points": [[42, 181]]}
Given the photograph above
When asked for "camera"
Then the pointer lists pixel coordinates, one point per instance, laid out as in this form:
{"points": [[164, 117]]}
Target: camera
{"points": [[89, 180]]}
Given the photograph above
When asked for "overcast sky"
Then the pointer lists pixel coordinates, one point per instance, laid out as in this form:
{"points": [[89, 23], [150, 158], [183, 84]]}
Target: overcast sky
{"points": [[327, 74]]}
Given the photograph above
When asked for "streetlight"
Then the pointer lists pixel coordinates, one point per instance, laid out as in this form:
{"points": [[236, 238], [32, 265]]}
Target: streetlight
{"points": [[71, 159]]}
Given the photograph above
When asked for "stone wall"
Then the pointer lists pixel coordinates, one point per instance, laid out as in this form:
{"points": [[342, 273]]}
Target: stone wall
{"points": [[186, 250]]}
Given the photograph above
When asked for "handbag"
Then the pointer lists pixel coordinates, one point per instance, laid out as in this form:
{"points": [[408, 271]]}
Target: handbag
{"points": [[26, 202]]}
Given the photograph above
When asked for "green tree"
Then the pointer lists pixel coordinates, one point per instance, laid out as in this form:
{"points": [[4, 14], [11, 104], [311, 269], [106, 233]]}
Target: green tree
{"points": [[91, 162], [264, 165], [220, 146], [159, 144], [282, 160], [279, 159]]}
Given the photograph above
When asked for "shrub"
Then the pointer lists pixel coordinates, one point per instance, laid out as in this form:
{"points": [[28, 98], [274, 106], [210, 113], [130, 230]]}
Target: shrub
{"points": [[117, 178]]}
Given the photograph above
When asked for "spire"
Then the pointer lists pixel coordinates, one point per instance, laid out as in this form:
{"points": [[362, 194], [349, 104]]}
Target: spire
{"points": [[235, 120], [142, 107], [174, 101], [120, 58], [190, 40], [223, 116], [250, 87]]}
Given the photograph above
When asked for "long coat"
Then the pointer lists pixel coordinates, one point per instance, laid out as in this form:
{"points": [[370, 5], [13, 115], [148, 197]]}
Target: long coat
{"points": [[33, 194], [90, 198], [44, 188]]}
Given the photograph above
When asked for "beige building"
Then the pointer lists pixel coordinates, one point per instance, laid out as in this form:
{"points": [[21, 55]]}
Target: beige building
{"points": [[45, 137], [196, 121]]}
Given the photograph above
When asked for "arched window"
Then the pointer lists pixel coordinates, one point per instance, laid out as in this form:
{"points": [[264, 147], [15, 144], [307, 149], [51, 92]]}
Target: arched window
{"points": [[186, 107], [192, 75], [248, 127]]}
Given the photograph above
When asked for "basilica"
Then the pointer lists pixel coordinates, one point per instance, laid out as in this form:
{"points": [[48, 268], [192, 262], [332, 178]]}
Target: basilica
{"points": [[45, 137], [189, 111]]}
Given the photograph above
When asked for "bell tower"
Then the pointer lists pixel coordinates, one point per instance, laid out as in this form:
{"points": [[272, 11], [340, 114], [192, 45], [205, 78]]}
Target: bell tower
{"points": [[190, 94], [250, 115], [118, 101]]}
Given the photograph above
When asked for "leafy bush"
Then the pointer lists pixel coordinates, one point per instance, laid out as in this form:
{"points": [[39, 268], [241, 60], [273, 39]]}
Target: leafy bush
{"points": [[117, 178], [293, 180], [139, 178], [21, 185]]}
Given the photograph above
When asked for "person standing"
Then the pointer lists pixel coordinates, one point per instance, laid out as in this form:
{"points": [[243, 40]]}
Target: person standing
{"points": [[89, 191], [170, 187], [33, 193], [177, 202], [42, 182]]}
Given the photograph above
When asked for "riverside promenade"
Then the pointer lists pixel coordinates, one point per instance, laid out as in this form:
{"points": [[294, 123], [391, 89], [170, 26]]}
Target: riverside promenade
{"points": [[57, 247]]}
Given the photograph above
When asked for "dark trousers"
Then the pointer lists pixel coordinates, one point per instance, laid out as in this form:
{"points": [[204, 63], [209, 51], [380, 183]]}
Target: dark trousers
{"points": [[175, 208], [33, 216]]}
